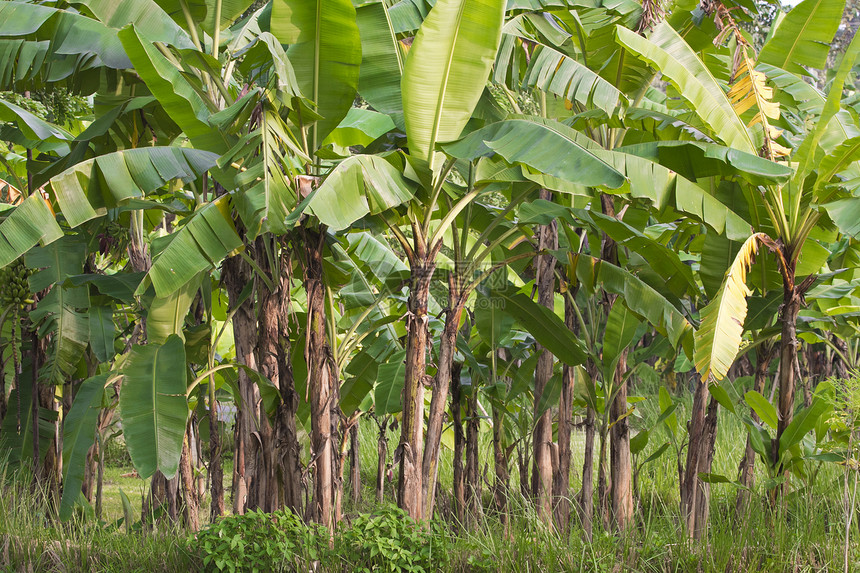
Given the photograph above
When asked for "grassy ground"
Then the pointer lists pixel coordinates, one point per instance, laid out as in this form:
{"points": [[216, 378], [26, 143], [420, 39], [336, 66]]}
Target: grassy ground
{"points": [[804, 532]]}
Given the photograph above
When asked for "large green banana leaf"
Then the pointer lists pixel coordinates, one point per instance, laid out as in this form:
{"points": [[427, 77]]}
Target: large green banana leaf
{"points": [[697, 160], [359, 185], [58, 314], [204, 12], [153, 406], [621, 325], [669, 54], [547, 146], [390, 378], [71, 32], [205, 238], [809, 151], [556, 73], [381, 62], [148, 18], [165, 316], [85, 190], [173, 91], [447, 69], [79, 428], [30, 223], [546, 328], [325, 50], [803, 37], [31, 127], [640, 297]]}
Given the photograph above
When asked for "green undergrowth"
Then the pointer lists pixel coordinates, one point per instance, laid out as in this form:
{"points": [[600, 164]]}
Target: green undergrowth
{"points": [[802, 532]]}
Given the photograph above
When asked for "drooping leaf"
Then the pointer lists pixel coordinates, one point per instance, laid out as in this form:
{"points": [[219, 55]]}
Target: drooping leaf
{"points": [[667, 52], [153, 406], [359, 185], [559, 74], [621, 325], [79, 427], [198, 245], [87, 189], [719, 336], [30, 223], [546, 328], [390, 378], [546, 146]]}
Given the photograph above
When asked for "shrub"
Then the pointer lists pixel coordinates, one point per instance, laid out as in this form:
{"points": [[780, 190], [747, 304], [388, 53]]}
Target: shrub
{"points": [[388, 540], [258, 541]]}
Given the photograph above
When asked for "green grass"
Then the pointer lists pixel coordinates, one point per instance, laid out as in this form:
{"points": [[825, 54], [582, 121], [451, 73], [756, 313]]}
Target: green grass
{"points": [[804, 532]]}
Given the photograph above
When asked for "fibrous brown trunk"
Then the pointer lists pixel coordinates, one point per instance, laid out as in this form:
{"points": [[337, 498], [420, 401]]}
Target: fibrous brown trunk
{"points": [[216, 467], [746, 470], [439, 401], [381, 459], [237, 274], [703, 492], [474, 507], [459, 444], [191, 507], [274, 352], [561, 478], [411, 445], [620, 462], [792, 299], [586, 496], [542, 476], [621, 465], [354, 465], [321, 380], [702, 434]]}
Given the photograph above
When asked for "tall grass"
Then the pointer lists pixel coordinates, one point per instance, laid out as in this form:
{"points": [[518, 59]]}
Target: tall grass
{"points": [[802, 532]]}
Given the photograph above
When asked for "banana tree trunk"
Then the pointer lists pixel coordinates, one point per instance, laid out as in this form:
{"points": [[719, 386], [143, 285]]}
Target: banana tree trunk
{"points": [[474, 507], [542, 476], [381, 459], [586, 496], [620, 462], [354, 465], [621, 466], [320, 382], [746, 471], [561, 478], [788, 349], [695, 493], [459, 444], [191, 506], [285, 485], [237, 274], [706, 459], [216, 466], [500, 466], [439, 401], [412, 425]]}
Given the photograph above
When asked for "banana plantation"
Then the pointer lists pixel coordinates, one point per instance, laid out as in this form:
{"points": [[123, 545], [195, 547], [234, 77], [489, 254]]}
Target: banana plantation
{"points": [[466, 285]]}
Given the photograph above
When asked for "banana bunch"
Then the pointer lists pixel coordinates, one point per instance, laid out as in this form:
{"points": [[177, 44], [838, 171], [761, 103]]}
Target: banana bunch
{"points": [[14, 288]]}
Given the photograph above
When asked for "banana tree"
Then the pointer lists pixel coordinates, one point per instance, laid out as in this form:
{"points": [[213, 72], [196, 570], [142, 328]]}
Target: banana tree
{"points": [[784, 216]]}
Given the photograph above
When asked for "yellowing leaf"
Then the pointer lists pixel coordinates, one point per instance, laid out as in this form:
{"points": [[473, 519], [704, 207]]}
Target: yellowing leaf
{"points": [[719, 336]]}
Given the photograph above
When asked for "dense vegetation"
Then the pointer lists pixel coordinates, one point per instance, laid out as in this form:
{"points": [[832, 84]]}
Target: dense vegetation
{"points": [[415, 285]]}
